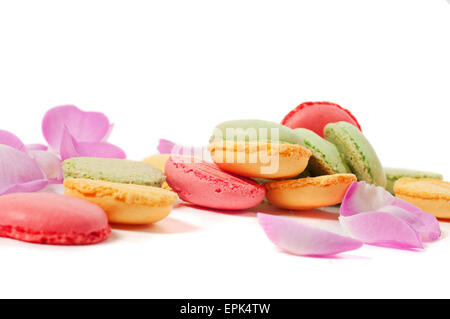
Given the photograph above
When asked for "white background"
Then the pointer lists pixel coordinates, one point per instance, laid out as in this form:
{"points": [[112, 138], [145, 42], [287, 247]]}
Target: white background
{"points": [[175, 69]]}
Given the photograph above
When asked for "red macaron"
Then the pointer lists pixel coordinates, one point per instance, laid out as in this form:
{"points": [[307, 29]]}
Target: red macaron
{"points": [[205, 184], [315, 115], [49, 218]]}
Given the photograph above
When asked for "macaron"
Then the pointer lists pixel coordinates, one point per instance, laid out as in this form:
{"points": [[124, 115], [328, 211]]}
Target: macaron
{"points": [[123, 203], [394, 174], [325, 158], [315, 115], [113, 170], [258, 149], [357, 152], [157, 160], [205, 184], [430, 195], [309, 192], [48, 218]]}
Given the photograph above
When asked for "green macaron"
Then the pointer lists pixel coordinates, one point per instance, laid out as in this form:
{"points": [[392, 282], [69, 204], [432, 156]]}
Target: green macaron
{"points": [[357, 152], [113, 170], [255, 130], [325, 158], [394, 174]]}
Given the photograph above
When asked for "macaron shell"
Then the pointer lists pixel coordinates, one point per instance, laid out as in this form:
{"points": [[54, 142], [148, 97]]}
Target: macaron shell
{"points": [[357, 152], [124, 203], [260, 160], [205, 184], [159, 161], [309, 192], [394, 174], [430, 195], [49, 218], [113, 170], [325, 158], [257, 130], [315, 115]]}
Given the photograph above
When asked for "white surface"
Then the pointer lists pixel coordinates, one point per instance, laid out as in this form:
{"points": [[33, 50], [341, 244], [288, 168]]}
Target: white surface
{"points": [[175, 69]]}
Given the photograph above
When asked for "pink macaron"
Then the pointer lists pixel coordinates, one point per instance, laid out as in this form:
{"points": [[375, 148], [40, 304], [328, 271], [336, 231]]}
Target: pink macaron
{"points": [[315, 115], [205, 184], [48, 218]]}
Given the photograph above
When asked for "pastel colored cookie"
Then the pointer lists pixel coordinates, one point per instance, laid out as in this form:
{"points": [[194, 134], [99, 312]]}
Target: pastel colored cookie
{"points": [[394, 174], [315, 115], [113, 170], [430, 195], [205, 184], [260, 160], [124, 203], [260, 149], [325, 158], [254, 130], [309, 192], [357, 152], [49, 218], [157, 160]]}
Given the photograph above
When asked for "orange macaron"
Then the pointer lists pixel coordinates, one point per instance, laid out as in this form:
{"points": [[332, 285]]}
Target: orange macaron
{"points": [[259, 149], [309, 192], [430, 195]]}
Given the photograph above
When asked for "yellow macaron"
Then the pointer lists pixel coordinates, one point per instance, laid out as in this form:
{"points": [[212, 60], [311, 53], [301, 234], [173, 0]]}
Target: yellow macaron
{"points": [[124, 203], [260, 159], [157, 160], [430, 195], [309, 192]]}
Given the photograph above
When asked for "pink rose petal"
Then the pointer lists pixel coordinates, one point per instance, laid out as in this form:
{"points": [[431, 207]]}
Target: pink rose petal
{"points": [[382, 229], [426, 224], [168, 147], [165, 146], [362, 198], [19, 172], [49, 163], [12, 140], [83, 126], [27, 187], [33, 147], [301, 239], [70, 147], [108, 133]]}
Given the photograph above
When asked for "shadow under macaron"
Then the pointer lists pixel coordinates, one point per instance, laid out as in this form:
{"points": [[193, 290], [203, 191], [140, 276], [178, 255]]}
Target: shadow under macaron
{"points": [[168, 225], [328, 213]]}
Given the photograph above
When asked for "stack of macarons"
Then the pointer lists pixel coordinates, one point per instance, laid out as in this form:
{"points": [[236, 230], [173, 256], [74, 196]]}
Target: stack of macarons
{"points": [[339, 128], [307, 161], [130, 192]]}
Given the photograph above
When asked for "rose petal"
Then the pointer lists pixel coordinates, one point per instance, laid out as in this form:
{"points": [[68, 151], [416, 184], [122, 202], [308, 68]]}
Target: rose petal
{"points": [[70, 147], [83, 126], [301, 239], [362, 198], [382, 229], [100, 149], [33, 147], [165, 146], [27, 187], [12, 140], [19, 172], [427, 224], [49, 163], [108, 133], [168, 147]]}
